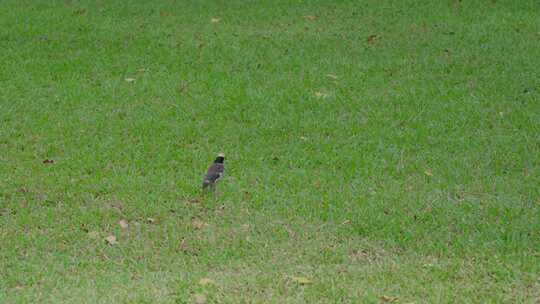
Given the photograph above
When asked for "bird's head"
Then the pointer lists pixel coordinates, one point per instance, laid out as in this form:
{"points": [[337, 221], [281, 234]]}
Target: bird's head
{"points": [[220, 158]]}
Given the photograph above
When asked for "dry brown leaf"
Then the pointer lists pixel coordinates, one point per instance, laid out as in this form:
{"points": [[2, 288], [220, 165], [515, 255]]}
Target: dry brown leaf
{"points": [[111, 240], [206, 281], [332, 76], [320, 95], [123, 224], [129, 79], [215, 20], [80, 12], [372, 39], [388, 299], [48, 161], [194, 200], [428, 173], [198, 224], [199, 298], [18, 287], [183, 87], [301, 280], [184, 247], [362, 254]]}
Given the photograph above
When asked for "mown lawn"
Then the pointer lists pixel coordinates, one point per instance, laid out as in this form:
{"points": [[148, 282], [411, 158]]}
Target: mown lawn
{"points": [[377, 151]]}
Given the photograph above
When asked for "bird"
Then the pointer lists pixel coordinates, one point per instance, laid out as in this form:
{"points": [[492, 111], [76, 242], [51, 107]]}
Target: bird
{"points": [[215, 172]]}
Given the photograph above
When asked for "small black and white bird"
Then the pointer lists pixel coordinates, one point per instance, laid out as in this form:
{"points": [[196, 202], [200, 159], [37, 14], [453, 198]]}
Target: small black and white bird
{"points": [[215, 172]]}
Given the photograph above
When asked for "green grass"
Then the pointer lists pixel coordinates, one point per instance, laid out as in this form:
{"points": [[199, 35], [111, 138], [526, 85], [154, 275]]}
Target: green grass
{"points": [[403, 167]]}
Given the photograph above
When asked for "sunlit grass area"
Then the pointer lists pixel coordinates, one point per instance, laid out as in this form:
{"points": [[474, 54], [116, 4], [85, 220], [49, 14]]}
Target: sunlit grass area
{"points": [[376, 151]]}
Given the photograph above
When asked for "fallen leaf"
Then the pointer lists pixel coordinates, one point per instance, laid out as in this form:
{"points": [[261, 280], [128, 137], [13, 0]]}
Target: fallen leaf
{"points": [[117, 205], [310, 17], [129, 79], [361, 254], [81, 12], [198, 224], [332, 76], [199, 298], [194, 200], [320, 95], [301, 280], [48, 161], [123, 224], [215, 20], [372, 39], [206, 281], [388, 299], [183, 87], [111, 240], [428, 173], [247, 195], [291, 232], [184, 246], [18, 287]]}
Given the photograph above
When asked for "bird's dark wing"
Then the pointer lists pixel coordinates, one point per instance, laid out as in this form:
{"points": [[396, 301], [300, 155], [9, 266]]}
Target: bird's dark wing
{"points": [[214, 173]]}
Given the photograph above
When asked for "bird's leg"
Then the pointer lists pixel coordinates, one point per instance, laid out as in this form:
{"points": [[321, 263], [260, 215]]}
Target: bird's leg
{"points": [[215, 190]]}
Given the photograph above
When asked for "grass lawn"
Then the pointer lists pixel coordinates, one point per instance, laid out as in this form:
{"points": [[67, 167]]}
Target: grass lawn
{"points": [[377, 151]]}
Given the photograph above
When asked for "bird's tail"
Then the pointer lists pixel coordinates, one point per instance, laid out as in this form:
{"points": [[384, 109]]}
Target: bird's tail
{"points": [[205, 184]]}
